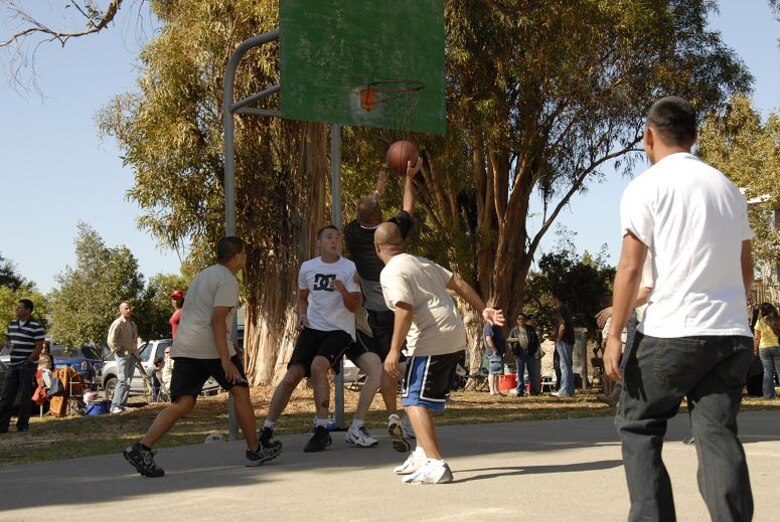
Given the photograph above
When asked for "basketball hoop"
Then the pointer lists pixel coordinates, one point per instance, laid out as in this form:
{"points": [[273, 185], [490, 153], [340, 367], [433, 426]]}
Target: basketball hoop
{"points": [[392, 102]]}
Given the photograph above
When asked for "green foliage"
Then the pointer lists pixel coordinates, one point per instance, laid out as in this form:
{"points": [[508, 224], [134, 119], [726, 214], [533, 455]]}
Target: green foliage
{"points": [[747, 150], [9, 276], [155, 308], [87, 298], [583, 283], [10, 297]]}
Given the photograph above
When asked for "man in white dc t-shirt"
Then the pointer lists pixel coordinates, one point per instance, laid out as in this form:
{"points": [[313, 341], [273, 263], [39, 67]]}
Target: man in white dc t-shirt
{"points": [[202, 349], [416, 290], [694, 341], [328, 295]]}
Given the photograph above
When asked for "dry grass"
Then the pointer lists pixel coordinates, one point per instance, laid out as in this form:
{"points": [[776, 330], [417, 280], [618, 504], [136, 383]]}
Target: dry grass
{"points": [[69, 437]]}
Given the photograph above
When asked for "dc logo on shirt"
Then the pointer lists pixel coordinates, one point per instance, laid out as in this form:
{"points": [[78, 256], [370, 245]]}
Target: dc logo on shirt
{"points": [[322, 282]]}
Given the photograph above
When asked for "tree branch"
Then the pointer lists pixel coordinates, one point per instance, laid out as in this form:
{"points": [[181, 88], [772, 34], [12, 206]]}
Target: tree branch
{"points": [[93, 25], [576, 186]]}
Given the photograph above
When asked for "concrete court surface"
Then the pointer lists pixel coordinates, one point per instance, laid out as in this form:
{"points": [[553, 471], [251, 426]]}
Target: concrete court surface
{"points": [[546, 470]]}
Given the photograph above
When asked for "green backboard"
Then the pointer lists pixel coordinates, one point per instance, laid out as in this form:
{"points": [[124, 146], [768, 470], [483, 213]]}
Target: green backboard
{"points": [[378, 63]]}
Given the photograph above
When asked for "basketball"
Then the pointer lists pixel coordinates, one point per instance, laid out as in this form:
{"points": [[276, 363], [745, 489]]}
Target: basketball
{"points": [[399, 153]]}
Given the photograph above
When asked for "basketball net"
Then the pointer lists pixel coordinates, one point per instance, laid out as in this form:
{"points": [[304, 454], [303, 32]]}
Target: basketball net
{"points": [[392, 102]]}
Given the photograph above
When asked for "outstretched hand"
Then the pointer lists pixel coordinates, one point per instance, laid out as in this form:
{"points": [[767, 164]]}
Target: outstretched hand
{"points": [[493, 316], [602, 316], [412, 170]]}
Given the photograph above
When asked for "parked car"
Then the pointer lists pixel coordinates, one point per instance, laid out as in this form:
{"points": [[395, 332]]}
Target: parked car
{"points": [[148, 352], [85, 360]]}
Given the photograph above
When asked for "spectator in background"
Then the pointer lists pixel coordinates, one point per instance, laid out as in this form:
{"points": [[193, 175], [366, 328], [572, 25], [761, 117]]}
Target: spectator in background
{"points": [[525, 348], [46, 363], [535, 354], [767, 347], [167, 369], [563, 333], [25, 338], [177, 297], [123, 341], [495, 346]]}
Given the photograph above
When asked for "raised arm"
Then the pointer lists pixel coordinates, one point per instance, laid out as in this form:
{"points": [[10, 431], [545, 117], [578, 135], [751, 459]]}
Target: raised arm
{"points": [[410, 198], [463, 289]]}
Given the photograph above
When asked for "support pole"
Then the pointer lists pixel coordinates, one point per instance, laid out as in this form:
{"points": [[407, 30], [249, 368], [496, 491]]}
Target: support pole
{"points": [[335, 188], [228, 108]]}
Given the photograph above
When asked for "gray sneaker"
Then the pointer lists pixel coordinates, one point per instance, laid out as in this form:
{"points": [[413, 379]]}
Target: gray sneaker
{"points": [[142, 460], [398, 434]]}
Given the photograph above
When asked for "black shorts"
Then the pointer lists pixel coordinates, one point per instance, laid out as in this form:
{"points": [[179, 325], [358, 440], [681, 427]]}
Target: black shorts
{"points": [[381, 324], [311, 343], [427, 381], [189, 375]]}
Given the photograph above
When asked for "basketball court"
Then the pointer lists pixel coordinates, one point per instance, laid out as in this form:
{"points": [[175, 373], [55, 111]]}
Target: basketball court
{"points": [[565, 470]]}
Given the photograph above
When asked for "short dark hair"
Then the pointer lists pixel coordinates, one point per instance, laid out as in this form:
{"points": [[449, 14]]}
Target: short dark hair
{"points": [[557, 293], [227, 247], [27, 304], [326, 227], [674, 118]]}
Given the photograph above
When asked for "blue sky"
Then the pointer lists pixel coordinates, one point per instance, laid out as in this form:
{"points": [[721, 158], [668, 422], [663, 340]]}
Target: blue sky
{"points": [[55, 171]]}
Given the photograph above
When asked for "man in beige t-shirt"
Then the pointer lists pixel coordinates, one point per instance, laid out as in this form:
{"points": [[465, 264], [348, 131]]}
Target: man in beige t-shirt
{"points": [[202, 349], [123, 341], [417, 291]]}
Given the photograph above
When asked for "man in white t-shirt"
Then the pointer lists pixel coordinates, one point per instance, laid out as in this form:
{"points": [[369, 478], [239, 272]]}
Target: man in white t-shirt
{"points": [[328, 295], [694, 341], [416, 290], [202, 349]]}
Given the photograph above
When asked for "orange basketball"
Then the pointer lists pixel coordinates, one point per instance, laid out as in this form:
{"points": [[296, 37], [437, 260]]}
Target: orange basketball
{"points": [[399, 154]]}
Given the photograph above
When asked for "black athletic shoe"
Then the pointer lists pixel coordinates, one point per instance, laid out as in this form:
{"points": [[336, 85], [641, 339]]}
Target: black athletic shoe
{"points": [[264, 453], [319, 441], [265, 436], [143, 460]]}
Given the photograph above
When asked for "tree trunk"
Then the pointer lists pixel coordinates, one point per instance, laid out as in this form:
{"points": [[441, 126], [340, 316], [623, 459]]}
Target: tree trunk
{"points": [[270, 311]]}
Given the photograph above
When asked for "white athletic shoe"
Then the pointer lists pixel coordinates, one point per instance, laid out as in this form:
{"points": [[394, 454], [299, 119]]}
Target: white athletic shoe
{"points": [[434, 472], [116, 409], [360, 437], [413, 463]]}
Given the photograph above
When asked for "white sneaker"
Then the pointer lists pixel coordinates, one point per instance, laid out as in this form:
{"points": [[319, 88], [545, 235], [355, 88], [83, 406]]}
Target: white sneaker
{"points": [[116, 409], [398, 434], [413, 463], [434, 472], [360, 437]]}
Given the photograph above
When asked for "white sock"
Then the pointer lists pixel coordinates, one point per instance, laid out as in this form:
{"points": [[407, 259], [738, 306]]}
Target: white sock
{"points": [[420, 452], [357, 424], [269, 424], [321, 422]]}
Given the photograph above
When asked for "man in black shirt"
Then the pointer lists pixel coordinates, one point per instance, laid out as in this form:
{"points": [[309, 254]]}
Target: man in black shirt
{"points": [[359, 238], [564, 346]]}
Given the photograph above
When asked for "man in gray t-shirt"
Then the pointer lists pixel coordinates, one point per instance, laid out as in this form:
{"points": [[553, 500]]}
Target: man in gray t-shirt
{"points": [[202, 349]]}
